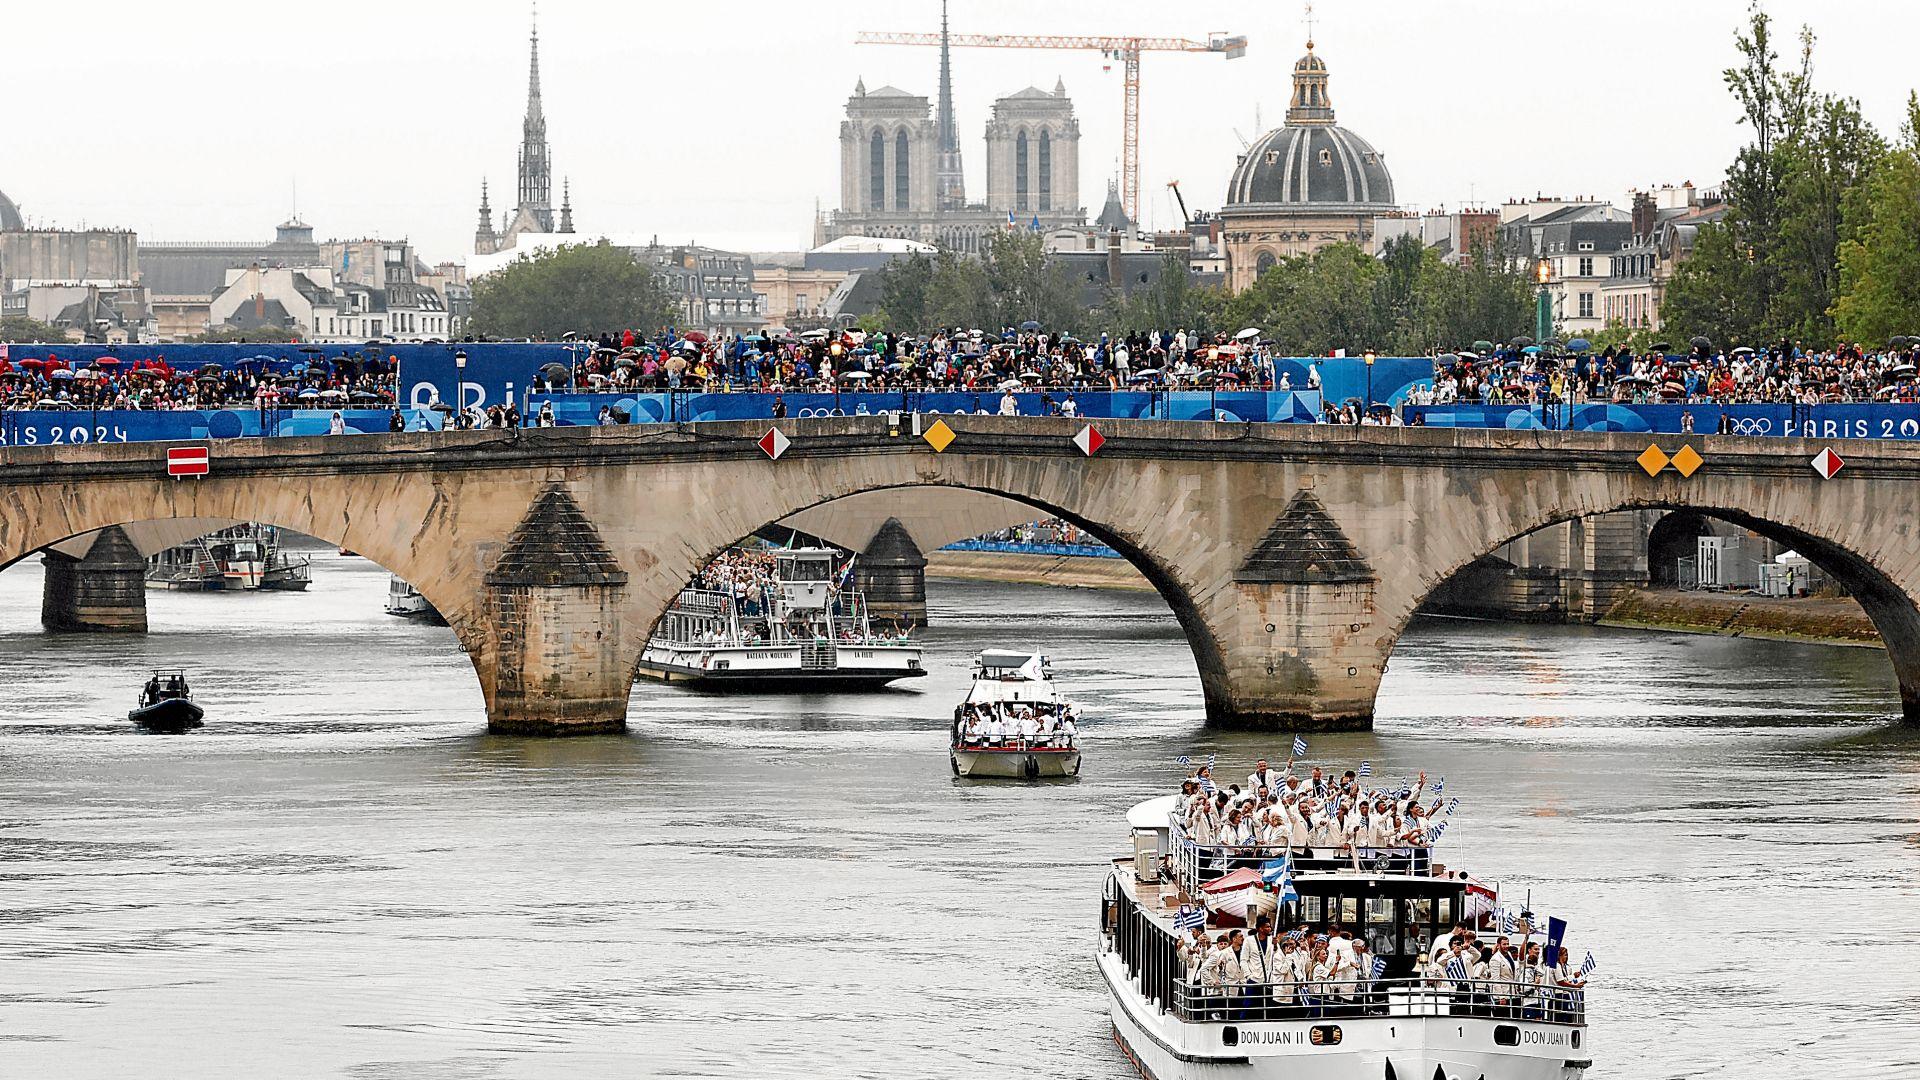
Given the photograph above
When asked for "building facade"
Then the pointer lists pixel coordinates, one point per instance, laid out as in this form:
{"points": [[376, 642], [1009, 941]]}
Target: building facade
{"points": [[1033, 154], [713, 290]]}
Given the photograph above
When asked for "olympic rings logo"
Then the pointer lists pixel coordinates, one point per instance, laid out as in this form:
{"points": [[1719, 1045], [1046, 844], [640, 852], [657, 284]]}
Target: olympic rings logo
{"points": [[1751, 425]]}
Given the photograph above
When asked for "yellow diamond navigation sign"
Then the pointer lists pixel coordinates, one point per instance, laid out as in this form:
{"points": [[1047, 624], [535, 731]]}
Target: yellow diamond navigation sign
{"points": [[1688, 461], [939, 436], [1652, 459]]}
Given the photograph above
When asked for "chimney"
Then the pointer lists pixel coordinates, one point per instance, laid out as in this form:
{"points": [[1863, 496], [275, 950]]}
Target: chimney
{"points": [[1114, 276], [1643, 214]]}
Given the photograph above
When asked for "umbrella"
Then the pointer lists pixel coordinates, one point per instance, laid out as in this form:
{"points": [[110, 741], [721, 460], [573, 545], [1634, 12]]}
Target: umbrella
{"points": [[1467, 355], [694, 336], [1030, 325], [1743, 350], [333, 395], [991, 339], [63, 373], [33, 362], [1147, 372], [210, 369], [309, 394], [441, 406], [1447, 358], [554, 371], [1701, 343], [854, 376], [365, 395], [1010, 384], [626, 362], [107, 361], [1531, 350], [1579, 344], [1902, 371], [49, 403], [1029, 376], [1248, 334], [1520, 342], [1662, 347], [814, 335]]}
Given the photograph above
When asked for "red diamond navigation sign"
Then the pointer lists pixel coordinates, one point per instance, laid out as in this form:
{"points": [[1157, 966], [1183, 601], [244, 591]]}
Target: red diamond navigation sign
{"points": [[1089, 441], [1826, 463], [774, 443], [186, 461]]}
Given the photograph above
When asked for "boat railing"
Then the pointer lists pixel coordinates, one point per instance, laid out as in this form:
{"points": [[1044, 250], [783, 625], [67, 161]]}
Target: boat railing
{"points": [[1195, 864], [1257, 1002]]}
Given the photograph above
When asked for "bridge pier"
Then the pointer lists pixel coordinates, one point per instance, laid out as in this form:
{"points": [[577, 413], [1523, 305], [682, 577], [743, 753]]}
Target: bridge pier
{"points": [[104, 591], [557, 663], [1298, 650], [892, 572]]}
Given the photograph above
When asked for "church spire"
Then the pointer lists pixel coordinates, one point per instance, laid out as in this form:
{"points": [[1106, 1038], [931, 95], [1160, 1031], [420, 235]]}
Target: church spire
{"points": [[566, 205], [536, 168], [485, 240], [949, 179]]}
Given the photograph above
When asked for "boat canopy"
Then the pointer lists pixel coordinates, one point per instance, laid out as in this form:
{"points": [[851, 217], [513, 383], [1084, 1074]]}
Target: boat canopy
{"points": [[1152, 814], [1008, 659]]}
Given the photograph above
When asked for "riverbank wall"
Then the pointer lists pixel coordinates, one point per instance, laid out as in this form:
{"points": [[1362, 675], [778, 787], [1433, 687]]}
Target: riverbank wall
{"points": [[1817, 619]]}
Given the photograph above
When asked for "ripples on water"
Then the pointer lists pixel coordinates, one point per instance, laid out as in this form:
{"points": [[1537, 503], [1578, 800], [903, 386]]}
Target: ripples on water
{"points": [[342, 876]]}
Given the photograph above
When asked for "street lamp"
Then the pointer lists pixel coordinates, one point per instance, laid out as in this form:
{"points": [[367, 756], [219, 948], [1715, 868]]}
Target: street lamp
{"points": [[459, 384], [1369, 358], [1543, 306]]}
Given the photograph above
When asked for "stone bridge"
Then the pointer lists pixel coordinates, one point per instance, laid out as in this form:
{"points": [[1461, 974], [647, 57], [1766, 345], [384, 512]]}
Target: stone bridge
{"points": [[1293, 556]]}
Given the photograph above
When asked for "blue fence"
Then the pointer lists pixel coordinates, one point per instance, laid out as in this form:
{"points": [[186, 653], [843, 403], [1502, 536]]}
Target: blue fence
{"points": [[47, 428], [1802, 421], [1010, 547]]}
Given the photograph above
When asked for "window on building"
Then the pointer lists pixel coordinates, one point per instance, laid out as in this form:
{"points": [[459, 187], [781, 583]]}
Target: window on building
{"points": [[877, 172], [1586, 305], [1326, 156], [1020, 171], [1046, 170], [1586, 267], [800, 302], [1586, 245], [902, 172]]}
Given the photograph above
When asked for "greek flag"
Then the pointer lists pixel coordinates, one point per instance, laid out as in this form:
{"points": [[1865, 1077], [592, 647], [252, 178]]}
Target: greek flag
{"points": [[1380, 965], [1433, 834], [1297, 935], [1587, 965], [1211, 758], [1366, 769], [1273, 870], [1456, 971], [1183, 760], [1189, 917], [1508, 924], [1299, 746], [1440, 785], [1453, 805]]}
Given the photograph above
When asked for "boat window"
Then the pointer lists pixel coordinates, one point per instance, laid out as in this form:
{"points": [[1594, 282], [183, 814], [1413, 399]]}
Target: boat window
{"points": [[1443, 911], [1420, 909], [1349, 910], [1310, 909]]}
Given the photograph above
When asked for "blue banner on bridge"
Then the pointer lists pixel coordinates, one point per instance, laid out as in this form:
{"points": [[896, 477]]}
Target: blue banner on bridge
{"points": [[1799, 421], [1234, 406], [1347, 378], [49, 428]]}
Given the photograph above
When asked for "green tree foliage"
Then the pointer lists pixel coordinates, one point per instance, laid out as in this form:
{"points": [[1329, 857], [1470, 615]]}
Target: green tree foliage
{"points": [[587, 288], [1880, 288], [259, 334], [22, 329], [1407, 302], [1012, 282], [1171, 302], [1771, 269]]}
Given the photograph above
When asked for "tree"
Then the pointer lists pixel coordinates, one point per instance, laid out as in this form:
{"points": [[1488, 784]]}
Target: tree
{"points": [[22, 329], [579, 287], [1879, 290], [1024, 285], [259, 335], [1171, 302], [1011, 282]]}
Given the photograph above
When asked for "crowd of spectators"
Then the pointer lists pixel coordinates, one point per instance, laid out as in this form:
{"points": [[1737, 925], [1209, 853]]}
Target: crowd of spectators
{"points": [[1783, 374], [976, 360], [112, 382]]}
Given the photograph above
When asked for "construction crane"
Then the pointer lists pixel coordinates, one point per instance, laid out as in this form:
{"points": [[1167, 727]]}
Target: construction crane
{"points": [[1185, 218], [1125, 49]]}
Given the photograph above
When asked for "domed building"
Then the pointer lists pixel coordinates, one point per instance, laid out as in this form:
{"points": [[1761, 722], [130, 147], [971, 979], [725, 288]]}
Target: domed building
{"points": [[10, 219], [1303, 186]]}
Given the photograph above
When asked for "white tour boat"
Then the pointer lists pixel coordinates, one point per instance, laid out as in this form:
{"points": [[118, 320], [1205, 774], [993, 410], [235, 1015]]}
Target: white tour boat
{"points": [[799, 628], [405, 601], [1011, 688], [1395, 1027]]}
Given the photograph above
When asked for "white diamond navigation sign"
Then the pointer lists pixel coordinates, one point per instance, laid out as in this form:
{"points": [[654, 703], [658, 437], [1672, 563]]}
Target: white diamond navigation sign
{"points": [[1826, 463]]}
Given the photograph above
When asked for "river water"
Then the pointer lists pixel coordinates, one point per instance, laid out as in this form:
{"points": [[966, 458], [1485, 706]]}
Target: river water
{"points": [[343, 876]]}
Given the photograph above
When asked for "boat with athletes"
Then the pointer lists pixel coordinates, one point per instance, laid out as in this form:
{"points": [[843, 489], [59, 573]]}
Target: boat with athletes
{"points": [[166, 703], [1402, 1020], [405, 601], [796, 626], [245, 557], [1013, 723]]}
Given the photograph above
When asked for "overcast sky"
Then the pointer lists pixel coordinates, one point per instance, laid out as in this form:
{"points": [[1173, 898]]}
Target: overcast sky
{"points": [[719, 121]]}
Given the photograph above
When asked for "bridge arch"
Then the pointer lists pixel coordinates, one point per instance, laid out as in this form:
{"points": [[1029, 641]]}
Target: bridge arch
{"points": [[1842, 549], [1141, 551]]}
